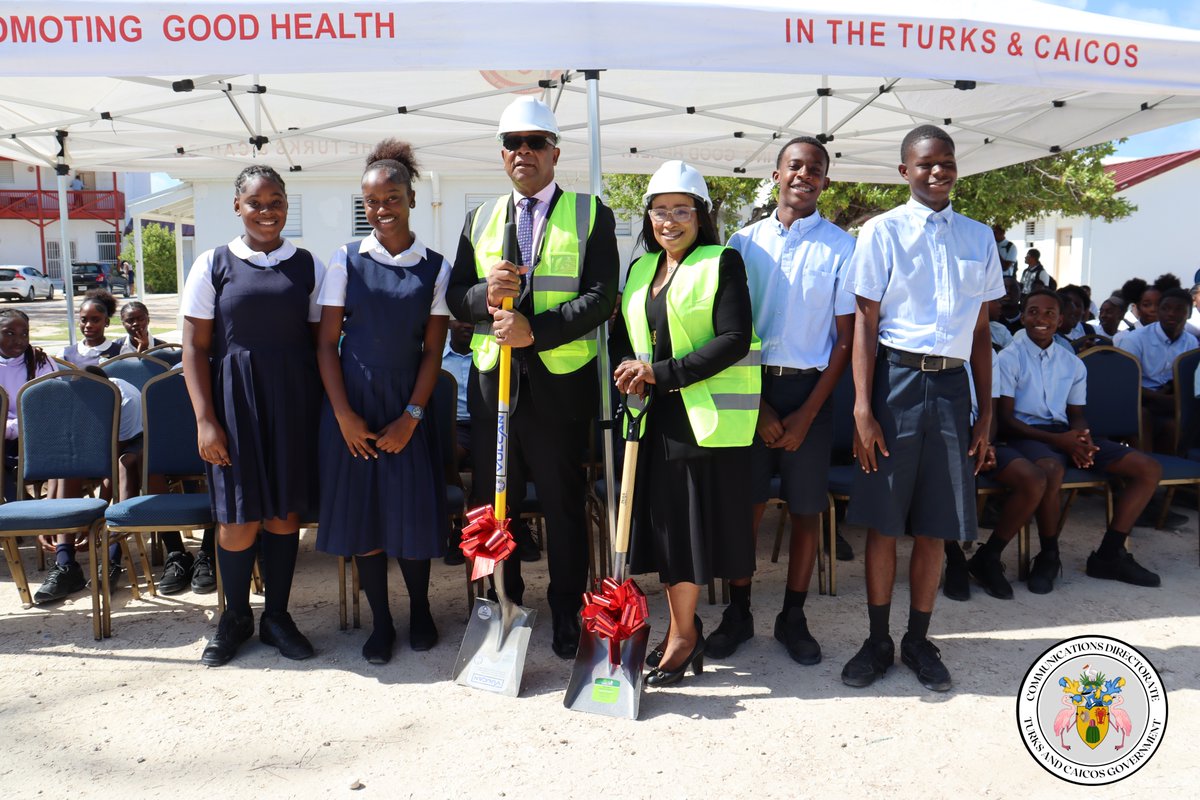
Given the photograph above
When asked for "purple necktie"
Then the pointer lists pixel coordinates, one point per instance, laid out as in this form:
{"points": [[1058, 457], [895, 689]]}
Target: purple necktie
{"points": [[525, 230]]}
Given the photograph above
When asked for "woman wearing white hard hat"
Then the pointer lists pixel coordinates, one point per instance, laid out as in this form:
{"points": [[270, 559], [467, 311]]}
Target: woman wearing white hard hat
{"points": [[686, 335]]}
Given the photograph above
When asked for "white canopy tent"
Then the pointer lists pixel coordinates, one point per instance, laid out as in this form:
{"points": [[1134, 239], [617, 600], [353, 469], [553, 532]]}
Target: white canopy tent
{"points": [[204, 88]]}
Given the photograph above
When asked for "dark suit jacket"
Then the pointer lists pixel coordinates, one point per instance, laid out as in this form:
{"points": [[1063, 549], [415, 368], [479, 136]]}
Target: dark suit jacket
{"points": [[572, 396]]}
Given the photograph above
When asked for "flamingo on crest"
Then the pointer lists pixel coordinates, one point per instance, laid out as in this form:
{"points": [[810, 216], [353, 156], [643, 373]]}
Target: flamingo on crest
{"points": [[1065, 721], [1120, 720]]}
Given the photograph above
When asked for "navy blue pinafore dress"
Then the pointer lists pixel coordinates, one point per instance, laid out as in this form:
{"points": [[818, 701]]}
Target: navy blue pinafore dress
{"points": [[266, 389], [395, 502]]}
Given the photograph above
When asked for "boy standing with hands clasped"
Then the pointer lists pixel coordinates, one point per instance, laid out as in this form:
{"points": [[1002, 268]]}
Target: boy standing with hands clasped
{"points": [[923, 276]]}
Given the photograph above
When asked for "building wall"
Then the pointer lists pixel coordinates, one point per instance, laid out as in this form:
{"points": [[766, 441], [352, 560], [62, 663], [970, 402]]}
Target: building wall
{"points": [[1155, 239], [326, 214]]}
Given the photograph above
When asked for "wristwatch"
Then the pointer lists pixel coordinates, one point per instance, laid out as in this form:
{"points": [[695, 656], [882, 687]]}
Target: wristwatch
{"points": [[415, 411]]}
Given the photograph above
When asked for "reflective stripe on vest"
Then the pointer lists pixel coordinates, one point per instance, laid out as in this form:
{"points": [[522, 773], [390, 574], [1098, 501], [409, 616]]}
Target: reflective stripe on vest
{"points": [[555, 279], [723, 409]]}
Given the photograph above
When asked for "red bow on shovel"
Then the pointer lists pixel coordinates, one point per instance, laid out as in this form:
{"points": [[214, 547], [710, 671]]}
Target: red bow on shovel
{"points": [[617, 612], [486, 540]]}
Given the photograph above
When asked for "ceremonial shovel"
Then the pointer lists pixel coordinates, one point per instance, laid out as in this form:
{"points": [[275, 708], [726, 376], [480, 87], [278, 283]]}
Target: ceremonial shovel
{"points": [[492, 656], [607, 678]]}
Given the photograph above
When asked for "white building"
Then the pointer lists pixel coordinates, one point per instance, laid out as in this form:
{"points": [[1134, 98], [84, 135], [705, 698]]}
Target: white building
{"points": [[1155, 239], [29, 216]]}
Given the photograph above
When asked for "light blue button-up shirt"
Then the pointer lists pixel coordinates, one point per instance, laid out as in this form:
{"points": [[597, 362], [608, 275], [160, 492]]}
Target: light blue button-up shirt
{"points": [[1156, 353], [459, 366], [1041, 381], [796, 290], [930, 271]]}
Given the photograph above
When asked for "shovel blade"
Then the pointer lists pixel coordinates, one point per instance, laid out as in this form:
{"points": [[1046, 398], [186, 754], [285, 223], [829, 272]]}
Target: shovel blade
{"points": [[488, 660], [598, 686]]}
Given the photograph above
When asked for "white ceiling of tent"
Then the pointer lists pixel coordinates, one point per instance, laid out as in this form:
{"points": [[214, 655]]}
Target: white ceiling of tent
{"points": [[729, 120]]}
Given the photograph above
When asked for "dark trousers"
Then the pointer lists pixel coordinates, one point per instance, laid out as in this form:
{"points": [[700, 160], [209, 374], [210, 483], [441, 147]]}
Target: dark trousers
{"points": [[549, 451]]}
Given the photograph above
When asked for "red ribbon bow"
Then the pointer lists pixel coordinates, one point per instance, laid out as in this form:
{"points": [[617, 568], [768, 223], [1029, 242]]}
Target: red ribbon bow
{"points": [[617, 612], [486, 540]]}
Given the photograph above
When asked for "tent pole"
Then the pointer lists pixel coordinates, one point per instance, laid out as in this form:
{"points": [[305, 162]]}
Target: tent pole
{"points": [[596, 186], [139, 258], [62, 169], [179, 257]]}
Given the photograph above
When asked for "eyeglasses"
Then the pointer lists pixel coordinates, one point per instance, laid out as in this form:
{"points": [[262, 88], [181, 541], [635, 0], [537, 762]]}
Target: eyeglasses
{"points": [[512, 142], [679, 214]]}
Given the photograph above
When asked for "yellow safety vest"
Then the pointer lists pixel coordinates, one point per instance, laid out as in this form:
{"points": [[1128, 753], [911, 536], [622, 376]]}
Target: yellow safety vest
{"points": [[723, 409], [555, 280]]}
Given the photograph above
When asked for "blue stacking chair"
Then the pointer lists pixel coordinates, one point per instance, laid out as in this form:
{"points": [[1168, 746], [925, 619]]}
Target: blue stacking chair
{"points": [[172, 354], [169, 449], [68, 429], [1115, 386], [1187, 420], [134, 368]]}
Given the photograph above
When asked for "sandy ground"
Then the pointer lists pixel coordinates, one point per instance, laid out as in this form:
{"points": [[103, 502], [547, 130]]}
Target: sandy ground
{"points": [[137, 716]]}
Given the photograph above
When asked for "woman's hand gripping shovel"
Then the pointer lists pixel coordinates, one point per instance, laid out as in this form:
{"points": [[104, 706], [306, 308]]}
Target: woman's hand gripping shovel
{"points": [[607, 678], [492, 656]]}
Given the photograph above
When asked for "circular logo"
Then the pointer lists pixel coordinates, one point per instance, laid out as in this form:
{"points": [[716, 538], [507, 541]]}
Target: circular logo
{"points": [[1092, 710], [484, 612]]}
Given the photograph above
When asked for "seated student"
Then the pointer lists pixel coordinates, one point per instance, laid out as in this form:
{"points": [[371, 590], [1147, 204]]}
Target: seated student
{"points": [[456, 359], [1001, 336], [1041, 391], [1070, 326], [1143, 306], [1026, 485], [95, 314], [66, 576], [20, 362], [1010, 305], [136, 319], [1156, 346], [1108, 322], [1193, 323]]}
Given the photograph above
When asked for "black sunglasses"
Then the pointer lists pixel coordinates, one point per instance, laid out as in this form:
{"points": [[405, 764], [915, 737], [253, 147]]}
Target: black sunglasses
{"points": [[512, 142]]}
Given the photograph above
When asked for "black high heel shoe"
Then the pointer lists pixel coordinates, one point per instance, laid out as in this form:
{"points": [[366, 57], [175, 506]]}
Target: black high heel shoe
{"points": [[654, 657], [660, 677]]}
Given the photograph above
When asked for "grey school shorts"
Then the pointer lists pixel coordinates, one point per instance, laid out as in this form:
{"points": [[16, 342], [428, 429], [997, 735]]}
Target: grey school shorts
{"points": [[927, 479], [804, 474]]}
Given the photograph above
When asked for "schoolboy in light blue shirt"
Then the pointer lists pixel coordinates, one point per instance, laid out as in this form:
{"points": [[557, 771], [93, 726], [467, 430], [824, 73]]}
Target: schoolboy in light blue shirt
{"points": [[1041, 392], [795, 264], [922, 274]]}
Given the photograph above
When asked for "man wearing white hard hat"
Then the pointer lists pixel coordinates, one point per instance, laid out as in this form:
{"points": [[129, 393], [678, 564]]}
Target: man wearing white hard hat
{"points": [[563, 289]]}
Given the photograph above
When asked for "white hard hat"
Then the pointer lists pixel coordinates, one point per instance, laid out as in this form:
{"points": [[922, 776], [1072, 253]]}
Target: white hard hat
{"points": [[676, 176], [527, 114]]}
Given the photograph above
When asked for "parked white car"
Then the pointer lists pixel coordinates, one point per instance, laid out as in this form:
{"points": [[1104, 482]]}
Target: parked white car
{"points": [[19, 282]]}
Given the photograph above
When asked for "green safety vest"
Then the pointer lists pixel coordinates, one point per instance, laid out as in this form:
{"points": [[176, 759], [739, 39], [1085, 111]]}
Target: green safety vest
{"points": [[723, 409], [554, 282]]}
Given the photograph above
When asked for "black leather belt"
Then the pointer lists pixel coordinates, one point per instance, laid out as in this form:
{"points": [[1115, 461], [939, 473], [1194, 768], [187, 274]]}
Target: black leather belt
{"points": [[925, 363], [781, 371]]}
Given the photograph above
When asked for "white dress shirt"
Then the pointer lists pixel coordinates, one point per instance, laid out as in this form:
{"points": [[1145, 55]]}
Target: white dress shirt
{"points": [[333, 288], [930, 271], [795, 276], [200, 297]]}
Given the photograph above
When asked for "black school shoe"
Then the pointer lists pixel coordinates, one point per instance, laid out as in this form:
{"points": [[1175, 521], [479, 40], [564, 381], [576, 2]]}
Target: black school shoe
{"points": [[842, 549], [791, 629], [177, 573], [737, 626], [923, 658], [956, 585], [565, 642], [1121, 567], [62, 581], [232, 631], [1045, 568], [277, 629], [989, 572], [871, 661], [204, 576]]}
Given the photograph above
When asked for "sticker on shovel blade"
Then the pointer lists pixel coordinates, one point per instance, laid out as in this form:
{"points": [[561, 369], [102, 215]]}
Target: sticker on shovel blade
{"points": [[484, 612], [606, 690]]}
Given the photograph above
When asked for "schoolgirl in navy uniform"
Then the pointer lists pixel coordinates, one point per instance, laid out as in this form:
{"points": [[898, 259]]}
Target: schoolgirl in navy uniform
{"points": [[249, 359], [95, 313], [381, 476]]}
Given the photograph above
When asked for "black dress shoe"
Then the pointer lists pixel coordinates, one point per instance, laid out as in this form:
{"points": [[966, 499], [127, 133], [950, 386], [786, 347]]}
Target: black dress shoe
{"points": [[660, 677], [422, 632], [923, 658], [62, 581], [989, 572], [655, 655], [378, 647], [1046, 567], [956, 585], [177, 573], [565, 641], [232, 631], [528, 551], [872, 660], [791, 629], [842, 549], [737, 626], [204, 574], [1121, 567], [454, 556], [277, 629]]}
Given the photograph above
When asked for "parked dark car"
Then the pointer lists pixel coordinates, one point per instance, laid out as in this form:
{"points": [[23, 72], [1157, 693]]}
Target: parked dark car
{"points": [[88, 275]]}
